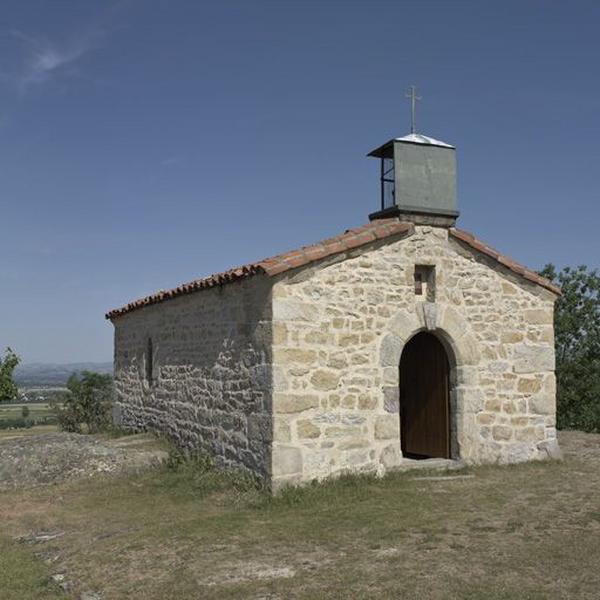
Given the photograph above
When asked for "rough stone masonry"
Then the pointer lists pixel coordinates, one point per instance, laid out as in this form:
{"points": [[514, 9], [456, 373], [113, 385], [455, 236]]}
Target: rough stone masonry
{"points": [[289, 367]]}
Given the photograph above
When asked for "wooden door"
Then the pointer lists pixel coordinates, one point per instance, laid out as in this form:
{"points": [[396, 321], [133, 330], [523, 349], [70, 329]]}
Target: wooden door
{"points": [[424, 398]]}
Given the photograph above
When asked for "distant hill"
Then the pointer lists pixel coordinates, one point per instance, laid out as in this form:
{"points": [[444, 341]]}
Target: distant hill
{"points": [[48, 374]]}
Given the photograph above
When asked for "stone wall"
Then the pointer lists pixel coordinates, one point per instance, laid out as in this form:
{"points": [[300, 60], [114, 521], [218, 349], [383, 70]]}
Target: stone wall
{"points": [[210, 385], [338, 332]]}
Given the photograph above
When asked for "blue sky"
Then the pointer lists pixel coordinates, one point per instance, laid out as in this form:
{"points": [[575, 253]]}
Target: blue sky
{"points": [[143, 144]]}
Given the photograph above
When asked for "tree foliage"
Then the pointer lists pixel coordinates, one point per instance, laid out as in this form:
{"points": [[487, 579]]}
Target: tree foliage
{"points": [[8, 388], [87, 403], [577, 340]]}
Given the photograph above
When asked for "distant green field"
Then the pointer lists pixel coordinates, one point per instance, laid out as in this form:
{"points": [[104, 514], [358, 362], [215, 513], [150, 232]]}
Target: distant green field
{"points": [[39, 412]]}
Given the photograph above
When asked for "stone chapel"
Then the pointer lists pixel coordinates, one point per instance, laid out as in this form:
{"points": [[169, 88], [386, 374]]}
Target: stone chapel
{"points": [[401, 341]]}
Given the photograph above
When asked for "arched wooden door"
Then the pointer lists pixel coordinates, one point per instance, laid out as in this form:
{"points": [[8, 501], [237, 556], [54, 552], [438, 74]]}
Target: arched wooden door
{"points": [[425, 398]]}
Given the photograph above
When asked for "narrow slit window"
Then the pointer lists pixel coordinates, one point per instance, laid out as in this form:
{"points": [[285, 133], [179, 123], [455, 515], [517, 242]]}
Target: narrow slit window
{"points": [[418, 283], [149, 361], [425, 282]]}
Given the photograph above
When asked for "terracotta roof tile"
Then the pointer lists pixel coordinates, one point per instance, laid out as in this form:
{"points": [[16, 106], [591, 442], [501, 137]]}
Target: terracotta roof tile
{"points": [[350, 239], [509, 263]]}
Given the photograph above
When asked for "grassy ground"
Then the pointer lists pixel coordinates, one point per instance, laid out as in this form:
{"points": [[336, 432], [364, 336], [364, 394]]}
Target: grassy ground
{"points": [[23, 576], [37, 410], [529, 531]]}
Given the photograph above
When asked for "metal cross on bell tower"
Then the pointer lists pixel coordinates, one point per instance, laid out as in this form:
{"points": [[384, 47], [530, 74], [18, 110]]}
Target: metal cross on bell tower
{"points": [[412, 96]]}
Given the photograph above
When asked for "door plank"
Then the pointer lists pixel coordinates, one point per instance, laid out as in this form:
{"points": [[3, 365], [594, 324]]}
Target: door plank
{"points": [[424, 398]]}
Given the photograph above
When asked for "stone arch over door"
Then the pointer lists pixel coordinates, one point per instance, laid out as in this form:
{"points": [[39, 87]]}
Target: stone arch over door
{"points": [[462, 349]]}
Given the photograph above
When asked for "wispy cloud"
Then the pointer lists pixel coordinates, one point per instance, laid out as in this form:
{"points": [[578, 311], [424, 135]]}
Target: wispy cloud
{"points": [[171, 160], [44, 60]]}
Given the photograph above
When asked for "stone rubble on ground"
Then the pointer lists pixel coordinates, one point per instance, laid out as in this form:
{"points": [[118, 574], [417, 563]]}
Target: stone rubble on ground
{"points": [[55, 457]]}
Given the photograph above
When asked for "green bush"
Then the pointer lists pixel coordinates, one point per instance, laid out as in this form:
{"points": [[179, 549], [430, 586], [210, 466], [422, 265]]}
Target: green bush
{"points": [[8, 388], [577, 340], [87, 404]]}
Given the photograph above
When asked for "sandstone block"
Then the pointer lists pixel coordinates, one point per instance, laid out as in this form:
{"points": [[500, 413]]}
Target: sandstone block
{"points": [[502, 433], [469, 400], [367, 401], [325, 380], [333, 401], [404, 324], [349, 401], [294, 310], [280, 380], [468, 349], [391, 350], [280, 333], [281, 430], [527, 434], [354, 442], [306, 429], [542, 404], [511, 337], [294, 403], [390, 376], [529, 385], [337, 431], [508, 406], [360, 359], [297, 356], [346, 340], [391, 456], [317, 337], [533, 359], [538, 316], [287, 460], [386, 427], [486, 418], [518, 452], [339, 361], [468, 375]]}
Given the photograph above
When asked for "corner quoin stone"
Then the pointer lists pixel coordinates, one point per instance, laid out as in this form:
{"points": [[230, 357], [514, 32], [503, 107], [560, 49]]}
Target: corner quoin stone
{"points": [[287, 460]]}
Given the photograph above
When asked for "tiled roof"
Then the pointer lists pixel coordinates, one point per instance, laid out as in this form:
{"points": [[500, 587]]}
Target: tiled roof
{"points": [[473, 242], [352, 238]]}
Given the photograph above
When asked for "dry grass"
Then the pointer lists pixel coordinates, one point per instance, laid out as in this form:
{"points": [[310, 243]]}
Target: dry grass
{"points": [[528, 531]]}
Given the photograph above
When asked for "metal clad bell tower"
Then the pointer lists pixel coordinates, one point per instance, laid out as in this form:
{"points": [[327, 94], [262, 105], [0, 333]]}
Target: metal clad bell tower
{"points": [[417, 178]]}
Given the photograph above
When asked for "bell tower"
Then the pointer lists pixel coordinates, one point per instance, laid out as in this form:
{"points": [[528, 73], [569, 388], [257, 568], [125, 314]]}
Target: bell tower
{"points": [[417, 178]]}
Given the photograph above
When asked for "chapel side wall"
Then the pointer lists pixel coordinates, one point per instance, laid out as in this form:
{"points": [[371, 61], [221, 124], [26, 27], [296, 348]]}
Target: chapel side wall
{"points": [[338, 333], [212, 372]]}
